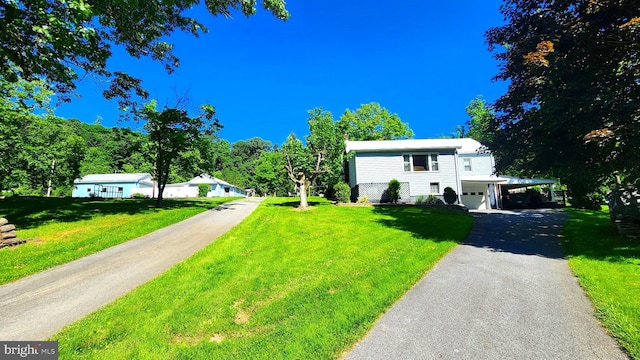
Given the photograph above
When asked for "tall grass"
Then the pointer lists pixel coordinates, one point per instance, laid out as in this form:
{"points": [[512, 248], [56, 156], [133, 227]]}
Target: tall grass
{"points": [[608, 268], [284, 284], [59, 230]]}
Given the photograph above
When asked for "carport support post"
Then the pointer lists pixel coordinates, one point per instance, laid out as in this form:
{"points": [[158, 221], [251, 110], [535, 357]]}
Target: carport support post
{"points": [[552, 191]]}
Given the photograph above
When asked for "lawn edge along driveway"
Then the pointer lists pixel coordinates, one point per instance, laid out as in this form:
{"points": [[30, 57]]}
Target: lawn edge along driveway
{"points": [[35, 307]]}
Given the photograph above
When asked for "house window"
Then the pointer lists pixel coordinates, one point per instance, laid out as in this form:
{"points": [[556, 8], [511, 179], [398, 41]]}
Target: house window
{"points": [[104, 189], [467, 164], [88, 189], [435, 188], [420, 162], [120, 189]]}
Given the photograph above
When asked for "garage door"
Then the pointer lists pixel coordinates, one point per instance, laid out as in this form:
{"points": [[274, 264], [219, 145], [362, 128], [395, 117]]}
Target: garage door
{"points": [[474, 196]]}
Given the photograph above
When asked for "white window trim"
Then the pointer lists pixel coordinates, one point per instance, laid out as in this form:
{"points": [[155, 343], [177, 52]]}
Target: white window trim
{"points": [[429, 163], [464, 164]]}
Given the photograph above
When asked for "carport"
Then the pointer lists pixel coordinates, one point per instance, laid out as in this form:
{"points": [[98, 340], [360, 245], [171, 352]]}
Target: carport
{"points": [[512, 183], [484, 192]]}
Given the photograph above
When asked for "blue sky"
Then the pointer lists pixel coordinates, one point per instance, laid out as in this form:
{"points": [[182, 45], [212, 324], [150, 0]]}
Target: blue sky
{"points": [[424, 60]]}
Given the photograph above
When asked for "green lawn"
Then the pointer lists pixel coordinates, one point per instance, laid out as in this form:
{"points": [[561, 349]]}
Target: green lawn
{"points": [[59, 230], [284, 284], [608, 268]]}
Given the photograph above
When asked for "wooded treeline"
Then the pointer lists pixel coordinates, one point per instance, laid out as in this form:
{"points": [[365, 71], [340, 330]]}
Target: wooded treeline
{"points": [[48, 152], [37, 150]]}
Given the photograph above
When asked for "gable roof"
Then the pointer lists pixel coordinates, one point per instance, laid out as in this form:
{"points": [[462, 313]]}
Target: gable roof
{"points": [[464, 145], [112, 178], [207, 179]]}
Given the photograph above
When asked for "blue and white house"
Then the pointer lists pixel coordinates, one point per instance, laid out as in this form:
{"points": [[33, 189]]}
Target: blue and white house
{"points": [[427, 166], [217, 187], [110, 185], [189, 189]]}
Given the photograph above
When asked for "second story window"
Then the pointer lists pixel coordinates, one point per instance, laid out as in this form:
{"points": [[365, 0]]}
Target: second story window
{"points": [[467, 164], [420, 162]]}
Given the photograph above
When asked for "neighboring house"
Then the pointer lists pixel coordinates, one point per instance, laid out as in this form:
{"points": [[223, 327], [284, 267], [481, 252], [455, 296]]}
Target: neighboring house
{"points": [[427, 166], [217, 188], [110, 185]]}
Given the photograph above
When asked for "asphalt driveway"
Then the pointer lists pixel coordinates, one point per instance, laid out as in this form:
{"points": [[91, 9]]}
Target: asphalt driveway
{"points": [[36, 307], [506, 293]]}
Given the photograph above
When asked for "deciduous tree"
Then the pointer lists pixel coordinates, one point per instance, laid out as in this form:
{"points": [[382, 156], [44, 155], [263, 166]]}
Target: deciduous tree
{"points": [[172, 133], [321, 153], [481, 116], [573, 105], [269, 175], [373, 122]]}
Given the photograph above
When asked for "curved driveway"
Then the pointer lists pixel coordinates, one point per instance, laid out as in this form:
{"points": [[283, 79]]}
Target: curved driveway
{"points": [[36, 307], [506, 293]]}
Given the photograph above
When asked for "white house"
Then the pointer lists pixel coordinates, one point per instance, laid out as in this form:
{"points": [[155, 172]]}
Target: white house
{"points": [[189, 189], [427, 166], [110, 185], [217, 187]]}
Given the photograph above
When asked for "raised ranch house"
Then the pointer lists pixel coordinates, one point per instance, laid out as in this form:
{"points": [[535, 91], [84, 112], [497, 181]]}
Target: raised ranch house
{"points": [[427, 166], [126, 185]]}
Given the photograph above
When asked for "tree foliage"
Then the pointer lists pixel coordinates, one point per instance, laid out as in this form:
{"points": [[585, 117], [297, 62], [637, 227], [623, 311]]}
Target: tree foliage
{"points": [[172, 134], [373, 122], [321, 154], [481, 117], [269, 175], [573, 105], [61, 41]]}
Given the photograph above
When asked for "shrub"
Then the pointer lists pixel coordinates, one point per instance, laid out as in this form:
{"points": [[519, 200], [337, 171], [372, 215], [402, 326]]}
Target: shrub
{"points": [[363, 199], [342, 192], [138, 196], [394, 190], [433, 200], [450, 195], [420, 200], [203, 190], [592, 201]]}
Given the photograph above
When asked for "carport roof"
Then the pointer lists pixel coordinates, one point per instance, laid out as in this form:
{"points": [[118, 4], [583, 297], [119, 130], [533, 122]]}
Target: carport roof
{"points": [[507, 181]]}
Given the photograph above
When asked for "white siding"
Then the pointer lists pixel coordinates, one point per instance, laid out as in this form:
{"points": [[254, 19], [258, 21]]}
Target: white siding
{"points": [[383, 167], [480, 164]]}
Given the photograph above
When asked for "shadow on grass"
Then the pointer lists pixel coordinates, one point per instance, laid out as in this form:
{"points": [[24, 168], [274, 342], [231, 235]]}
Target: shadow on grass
{"points": [[294, 202], [590, 234], [29, 212], [427, 223]]}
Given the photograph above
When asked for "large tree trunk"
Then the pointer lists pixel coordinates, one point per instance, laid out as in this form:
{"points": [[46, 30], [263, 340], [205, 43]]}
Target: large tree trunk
{"points": [[303, 196]]}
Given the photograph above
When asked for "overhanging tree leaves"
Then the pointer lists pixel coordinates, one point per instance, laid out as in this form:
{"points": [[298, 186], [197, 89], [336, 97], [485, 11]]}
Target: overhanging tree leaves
{"points": [[573, 105], [61, 41], [172, 133]]}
